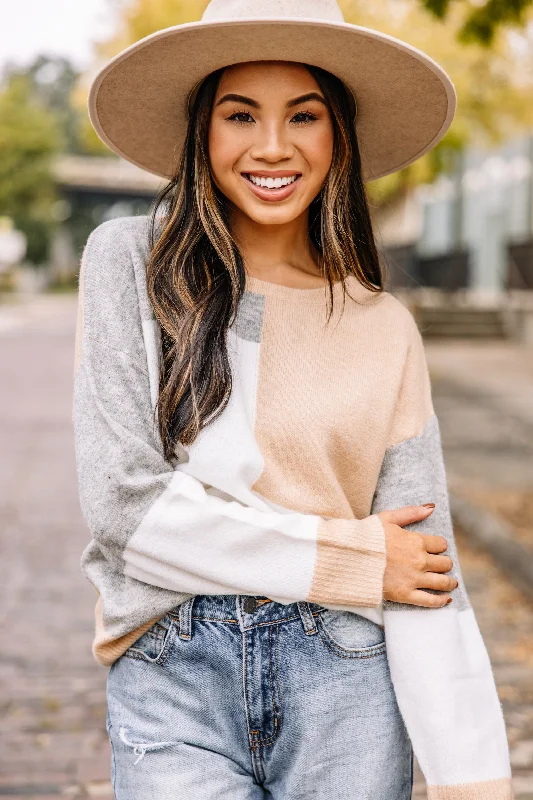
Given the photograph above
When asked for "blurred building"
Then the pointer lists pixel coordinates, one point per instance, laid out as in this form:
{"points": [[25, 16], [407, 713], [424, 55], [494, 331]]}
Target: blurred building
{"points": [[471, 231], [92, 191]]}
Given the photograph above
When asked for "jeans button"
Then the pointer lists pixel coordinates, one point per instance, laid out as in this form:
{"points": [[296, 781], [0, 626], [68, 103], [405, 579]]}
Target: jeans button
{"points": [[249, 605]]}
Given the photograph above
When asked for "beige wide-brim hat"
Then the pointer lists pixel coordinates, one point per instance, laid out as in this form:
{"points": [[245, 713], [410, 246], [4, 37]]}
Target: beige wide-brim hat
{"points": [[139, 101]]}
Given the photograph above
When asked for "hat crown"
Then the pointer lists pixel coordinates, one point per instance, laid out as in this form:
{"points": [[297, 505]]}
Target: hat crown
{"points": [[324, 10]]}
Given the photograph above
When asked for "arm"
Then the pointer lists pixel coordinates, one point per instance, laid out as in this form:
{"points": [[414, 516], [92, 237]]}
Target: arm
{"points": [[438, 661], [157, 524]]}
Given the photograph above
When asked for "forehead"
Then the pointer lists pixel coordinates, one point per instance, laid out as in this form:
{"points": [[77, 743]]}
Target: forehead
{"points": [[261, 76]]}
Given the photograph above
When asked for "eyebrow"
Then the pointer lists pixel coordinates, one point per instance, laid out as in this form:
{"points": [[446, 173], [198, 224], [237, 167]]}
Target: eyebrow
{"points": [[239, 98]]}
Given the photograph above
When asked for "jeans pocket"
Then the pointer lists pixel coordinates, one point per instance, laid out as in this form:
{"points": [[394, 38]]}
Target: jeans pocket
{"points": [[155, 644], [350, 635]]}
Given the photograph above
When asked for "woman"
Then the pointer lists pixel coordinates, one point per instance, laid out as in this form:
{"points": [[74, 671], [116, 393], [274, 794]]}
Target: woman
{"points": [[280, 601]]}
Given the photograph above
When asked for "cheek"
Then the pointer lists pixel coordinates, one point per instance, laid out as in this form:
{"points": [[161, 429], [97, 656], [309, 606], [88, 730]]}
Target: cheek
{"points": [[216, 151], [319, 151], [224, 150]]}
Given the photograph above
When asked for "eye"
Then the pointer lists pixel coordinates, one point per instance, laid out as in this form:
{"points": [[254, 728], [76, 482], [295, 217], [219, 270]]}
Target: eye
{"points": [[236, 114], [307, 117]]}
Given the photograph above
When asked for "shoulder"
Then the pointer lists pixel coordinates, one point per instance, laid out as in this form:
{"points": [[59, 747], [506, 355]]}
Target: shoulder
{"points": [[399, 355], [113, 266], [385, 313], [119, 238]]}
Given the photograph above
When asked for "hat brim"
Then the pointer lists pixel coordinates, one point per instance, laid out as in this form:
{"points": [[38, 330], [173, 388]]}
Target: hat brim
{"points": [[138, 101]]}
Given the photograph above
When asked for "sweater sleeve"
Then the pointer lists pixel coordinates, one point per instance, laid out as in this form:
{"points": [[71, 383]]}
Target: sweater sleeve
{"points": [[439, 665], [152, 521]]}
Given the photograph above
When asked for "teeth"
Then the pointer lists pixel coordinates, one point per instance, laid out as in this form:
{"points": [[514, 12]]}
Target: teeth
{"points": [[271, 183]]}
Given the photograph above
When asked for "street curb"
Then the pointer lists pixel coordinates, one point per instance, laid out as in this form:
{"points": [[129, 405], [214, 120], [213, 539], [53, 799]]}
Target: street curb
{"points": [[495, 535]]}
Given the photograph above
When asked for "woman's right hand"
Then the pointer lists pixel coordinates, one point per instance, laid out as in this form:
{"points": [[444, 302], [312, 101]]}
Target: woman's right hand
{"points": [[414, 560]]}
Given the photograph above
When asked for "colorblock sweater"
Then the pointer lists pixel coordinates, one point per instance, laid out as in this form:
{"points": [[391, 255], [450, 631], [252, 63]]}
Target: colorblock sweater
{"points": [[327, 425]]}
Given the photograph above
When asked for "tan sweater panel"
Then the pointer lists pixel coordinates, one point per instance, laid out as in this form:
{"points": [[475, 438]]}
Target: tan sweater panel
{"points": [[332, 399], [324, 422]]}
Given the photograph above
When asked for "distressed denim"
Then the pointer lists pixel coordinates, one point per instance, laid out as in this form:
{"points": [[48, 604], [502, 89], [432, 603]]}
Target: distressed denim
{"points": [[218, 701]]}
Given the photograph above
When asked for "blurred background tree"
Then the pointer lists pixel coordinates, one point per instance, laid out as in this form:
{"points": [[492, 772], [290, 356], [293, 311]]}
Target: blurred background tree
{"points": [[484, 18], [53, 81], [30, 136], [41, 117]]}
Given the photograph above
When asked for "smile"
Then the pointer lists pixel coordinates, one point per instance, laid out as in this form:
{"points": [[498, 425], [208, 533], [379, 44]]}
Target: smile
{"points": [[271, 183], [269, 188]]}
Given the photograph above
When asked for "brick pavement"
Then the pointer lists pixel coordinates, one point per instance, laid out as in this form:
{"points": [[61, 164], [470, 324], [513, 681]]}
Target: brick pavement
{"points": [[52, 693]]}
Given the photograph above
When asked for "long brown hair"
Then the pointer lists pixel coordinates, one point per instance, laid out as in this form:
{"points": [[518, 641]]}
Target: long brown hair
{"points": [[196, 274]]}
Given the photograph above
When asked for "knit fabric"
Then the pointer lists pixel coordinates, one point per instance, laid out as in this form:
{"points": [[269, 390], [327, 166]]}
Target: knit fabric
{"points": [[328, 423]]}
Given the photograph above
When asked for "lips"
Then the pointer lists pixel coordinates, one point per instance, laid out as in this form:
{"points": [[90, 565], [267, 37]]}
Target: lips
{"points": [[275, 185]]}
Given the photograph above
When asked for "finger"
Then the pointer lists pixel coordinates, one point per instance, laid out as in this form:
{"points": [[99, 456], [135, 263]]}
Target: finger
{"points": [[438, 563], [441, 583], [420, 598], [434, 544], [405, 515]]}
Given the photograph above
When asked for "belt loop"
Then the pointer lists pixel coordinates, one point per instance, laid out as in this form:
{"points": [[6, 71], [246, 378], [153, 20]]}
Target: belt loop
{"points": [[307, 618], [185, 631]]}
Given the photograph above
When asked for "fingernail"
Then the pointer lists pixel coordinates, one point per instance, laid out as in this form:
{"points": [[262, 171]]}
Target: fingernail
{"points": [[428, 505], [449, 600]]}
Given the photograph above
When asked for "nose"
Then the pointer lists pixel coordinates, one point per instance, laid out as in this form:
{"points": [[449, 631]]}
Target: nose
{"points": [[272, 143]]}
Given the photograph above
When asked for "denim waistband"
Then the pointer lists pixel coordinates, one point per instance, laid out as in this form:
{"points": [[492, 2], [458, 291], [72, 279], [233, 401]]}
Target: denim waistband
{"points": [[246, 611]]}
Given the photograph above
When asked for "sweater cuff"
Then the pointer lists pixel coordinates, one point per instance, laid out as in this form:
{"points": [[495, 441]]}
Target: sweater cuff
{"points": [[498, 789], [350, 562]]}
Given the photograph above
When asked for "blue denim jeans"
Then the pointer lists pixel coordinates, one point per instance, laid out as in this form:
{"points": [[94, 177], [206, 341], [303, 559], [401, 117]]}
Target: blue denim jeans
{"points": [[234, 697]]}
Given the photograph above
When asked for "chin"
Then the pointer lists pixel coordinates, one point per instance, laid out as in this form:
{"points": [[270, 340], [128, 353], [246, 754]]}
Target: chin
{"points": [[271, 219], [269, 216]]}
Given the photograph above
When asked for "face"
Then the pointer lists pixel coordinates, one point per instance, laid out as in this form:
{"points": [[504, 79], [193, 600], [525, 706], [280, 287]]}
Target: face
{"points": [[270, 140]]}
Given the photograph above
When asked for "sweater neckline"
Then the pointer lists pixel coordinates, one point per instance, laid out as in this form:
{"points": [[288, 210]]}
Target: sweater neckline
{"points": [[278, 291]]}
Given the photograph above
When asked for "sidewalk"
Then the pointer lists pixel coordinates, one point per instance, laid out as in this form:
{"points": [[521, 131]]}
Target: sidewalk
{"points": [[52, 735], [501, 371], [483, 396]]}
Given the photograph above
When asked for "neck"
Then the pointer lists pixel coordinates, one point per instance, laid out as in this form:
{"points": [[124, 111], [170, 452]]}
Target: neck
{"points": [[275, 252]]}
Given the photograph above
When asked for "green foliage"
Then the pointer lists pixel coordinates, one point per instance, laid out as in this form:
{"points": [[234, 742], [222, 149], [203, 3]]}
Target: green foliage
{"points": [[30, 136], [53, 82], [90, 142], [437, 7], [482, 22]]}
